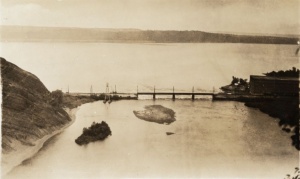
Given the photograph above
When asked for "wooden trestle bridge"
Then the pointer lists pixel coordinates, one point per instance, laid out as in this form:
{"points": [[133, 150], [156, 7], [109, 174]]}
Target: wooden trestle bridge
{"points": [[154, 94]]}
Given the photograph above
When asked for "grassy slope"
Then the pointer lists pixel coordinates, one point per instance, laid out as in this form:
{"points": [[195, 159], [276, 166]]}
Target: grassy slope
{"points": [[27, 114]]}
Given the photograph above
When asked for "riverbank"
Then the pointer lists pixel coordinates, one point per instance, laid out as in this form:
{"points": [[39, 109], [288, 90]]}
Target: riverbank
{"points": [[75, 101], [239, 97], [22, 151], [287, 110], [30, 114], [16, 157]]}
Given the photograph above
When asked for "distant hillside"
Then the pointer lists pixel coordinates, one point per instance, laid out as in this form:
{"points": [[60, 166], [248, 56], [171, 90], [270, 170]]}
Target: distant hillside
{"points": [[56, 34], [27, 112]]}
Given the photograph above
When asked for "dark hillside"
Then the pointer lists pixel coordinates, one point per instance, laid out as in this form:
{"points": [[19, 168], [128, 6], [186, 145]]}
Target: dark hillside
{"points": [[28, 111]]}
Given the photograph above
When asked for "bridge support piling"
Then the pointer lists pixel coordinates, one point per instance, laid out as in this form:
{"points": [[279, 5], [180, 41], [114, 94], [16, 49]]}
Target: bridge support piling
{"points": [[173, 96], [193, 95], [154, 94]]}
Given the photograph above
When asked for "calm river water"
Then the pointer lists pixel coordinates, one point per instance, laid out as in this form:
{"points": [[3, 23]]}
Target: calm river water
{"points": [[202, 65], [212, 139]]}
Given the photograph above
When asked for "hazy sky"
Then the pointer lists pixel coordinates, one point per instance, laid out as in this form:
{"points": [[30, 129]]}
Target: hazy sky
{"points": [[246, 16]]}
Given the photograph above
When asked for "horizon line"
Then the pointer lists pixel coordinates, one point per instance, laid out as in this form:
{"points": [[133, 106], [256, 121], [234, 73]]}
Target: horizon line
{"points": [[139, 29]]}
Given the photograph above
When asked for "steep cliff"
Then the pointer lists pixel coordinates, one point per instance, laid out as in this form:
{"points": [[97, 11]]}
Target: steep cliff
{"points": [[27, 111]]}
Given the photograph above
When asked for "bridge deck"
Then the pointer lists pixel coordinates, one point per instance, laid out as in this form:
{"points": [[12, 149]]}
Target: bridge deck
{"points": [[75, 93], [171, 93], [149, 93]]}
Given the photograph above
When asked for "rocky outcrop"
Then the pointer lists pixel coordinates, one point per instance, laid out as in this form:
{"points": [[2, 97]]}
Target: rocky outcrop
{"points": [[97, 131], [156, 113], [27, 112]]}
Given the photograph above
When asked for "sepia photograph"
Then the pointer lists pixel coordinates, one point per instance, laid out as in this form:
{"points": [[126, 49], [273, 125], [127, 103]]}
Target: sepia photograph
{"points": [[150, 89]]}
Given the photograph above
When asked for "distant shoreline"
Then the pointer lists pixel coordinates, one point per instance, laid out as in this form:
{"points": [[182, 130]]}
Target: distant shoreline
{"points": [[67, 34]]}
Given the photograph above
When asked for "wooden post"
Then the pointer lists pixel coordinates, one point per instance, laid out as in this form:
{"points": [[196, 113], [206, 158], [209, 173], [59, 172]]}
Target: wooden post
{"points": [[137, 92], [193, 96], [91, 90], [154, 94], [173, 96]]}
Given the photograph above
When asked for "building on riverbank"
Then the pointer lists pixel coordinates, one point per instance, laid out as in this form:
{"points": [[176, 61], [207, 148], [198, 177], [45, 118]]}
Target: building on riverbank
{"points": [[265, 85]]}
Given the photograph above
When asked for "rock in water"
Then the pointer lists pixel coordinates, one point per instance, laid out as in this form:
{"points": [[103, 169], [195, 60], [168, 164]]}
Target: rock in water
{"points": [[170, 133], [97, 131], [156, 113]]}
